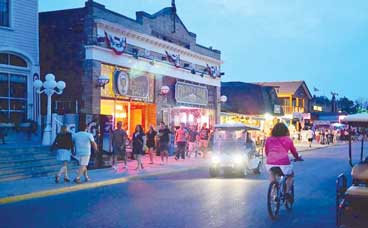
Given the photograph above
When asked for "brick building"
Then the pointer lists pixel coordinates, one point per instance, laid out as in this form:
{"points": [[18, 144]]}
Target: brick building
{"points": [[141, 57]]}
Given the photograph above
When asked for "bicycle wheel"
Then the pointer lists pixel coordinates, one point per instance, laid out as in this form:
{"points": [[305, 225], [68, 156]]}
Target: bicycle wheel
{"points": [[273, 200], [289, 201]]}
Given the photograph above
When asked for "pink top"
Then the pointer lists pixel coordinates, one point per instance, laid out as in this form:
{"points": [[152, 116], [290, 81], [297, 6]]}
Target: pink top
{"points": [[277, 149]]}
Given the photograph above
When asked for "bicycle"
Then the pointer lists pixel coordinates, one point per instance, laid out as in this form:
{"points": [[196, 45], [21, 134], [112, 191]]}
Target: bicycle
{"points": [[277, 192]]}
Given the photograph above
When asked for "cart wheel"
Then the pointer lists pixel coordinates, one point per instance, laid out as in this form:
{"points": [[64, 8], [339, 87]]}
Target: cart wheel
{"points": [[214, 172]]}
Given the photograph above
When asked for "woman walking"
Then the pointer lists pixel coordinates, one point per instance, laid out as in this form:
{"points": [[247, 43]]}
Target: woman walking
{"points": [[63, 145], [151, 135], [139, 142]]}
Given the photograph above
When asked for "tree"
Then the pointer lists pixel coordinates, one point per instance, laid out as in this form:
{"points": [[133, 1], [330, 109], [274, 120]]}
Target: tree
{"points": [[347, 105]]}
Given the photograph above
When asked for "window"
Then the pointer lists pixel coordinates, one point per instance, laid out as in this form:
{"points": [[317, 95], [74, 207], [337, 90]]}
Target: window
{"points": [[13, 97], [4, 13], [13, 60]]}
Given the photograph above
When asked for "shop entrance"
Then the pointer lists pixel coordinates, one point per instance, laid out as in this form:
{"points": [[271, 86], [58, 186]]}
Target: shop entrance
{"points": [[130, 113]]}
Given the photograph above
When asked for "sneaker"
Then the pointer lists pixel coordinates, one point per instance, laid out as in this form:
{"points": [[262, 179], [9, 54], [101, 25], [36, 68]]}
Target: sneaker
{"points": [[77, 181], [66, 179], [87, 179], [57, 179], [114, 167]]}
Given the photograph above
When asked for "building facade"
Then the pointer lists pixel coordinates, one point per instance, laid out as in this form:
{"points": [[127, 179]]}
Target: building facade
{"points": [[295, 97], [155, 69], [19, 60]]}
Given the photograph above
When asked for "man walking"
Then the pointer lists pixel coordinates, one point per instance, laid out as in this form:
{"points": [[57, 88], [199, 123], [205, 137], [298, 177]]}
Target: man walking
{"points": [[193, 137], [204, 136], [164, 139], [83, 141], [181, 141], [118, 140]]}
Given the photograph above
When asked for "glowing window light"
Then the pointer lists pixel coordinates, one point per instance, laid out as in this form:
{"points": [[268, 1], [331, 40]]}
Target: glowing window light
{"points": [[119, 107], [122, 115], [190, 118]]}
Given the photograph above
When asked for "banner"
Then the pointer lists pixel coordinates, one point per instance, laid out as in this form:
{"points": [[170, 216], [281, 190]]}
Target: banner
{"points": [[117, 44]]}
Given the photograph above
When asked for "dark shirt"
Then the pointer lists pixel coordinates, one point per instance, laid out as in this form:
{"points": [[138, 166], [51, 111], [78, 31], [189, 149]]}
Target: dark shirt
{"points": [[63, 141], [204, 133], [138, 143], [119, 137], [151, 137], [164, 135], [193, 136]]}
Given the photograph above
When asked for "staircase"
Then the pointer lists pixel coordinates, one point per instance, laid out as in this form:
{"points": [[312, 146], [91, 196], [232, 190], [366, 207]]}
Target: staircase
{"points": [[21, 162]]}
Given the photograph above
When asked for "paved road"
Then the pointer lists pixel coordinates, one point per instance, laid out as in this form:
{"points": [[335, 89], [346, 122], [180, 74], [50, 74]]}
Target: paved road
{"points": [[190, 199]]}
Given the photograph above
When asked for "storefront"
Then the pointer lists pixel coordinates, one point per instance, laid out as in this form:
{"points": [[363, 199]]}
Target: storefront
{"points": [[189, 103], [129, 97]]}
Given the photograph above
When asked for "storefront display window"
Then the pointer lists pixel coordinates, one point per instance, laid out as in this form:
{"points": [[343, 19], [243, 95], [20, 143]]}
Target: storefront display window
{"points": [[192, 116]]}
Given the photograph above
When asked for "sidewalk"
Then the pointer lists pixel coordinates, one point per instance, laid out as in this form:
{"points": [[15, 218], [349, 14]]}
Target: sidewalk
{"points": [[301, 147], [44, 186]]}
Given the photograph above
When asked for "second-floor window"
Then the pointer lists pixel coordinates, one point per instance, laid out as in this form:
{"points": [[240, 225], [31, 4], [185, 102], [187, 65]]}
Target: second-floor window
{"points": [[4, 13]]}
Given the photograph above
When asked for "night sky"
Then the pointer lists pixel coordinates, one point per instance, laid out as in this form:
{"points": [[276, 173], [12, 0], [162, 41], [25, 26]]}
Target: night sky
{"points": [[321, 42]]}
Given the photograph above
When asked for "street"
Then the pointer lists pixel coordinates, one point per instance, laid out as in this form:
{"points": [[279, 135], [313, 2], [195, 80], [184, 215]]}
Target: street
{"points": [[191, 199]]}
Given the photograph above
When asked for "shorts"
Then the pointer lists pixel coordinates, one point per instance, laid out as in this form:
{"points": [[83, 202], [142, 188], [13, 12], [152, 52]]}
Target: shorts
{"points": [[310, 140], [286, 169], [63, 155], [117, 150], [203, 143], [164, 146], [151, 145], [83, 160]]}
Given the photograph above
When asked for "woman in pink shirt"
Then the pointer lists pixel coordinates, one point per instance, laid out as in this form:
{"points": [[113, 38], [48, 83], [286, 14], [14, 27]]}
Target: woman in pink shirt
{"points": [[277, 148]]}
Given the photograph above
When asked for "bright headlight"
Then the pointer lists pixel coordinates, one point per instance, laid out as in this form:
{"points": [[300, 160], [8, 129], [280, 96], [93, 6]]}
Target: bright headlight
{"points": [[216, 159]]}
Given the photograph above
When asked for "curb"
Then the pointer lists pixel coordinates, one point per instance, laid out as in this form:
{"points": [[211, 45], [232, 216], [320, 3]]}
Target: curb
{"points": [[52, 192]]}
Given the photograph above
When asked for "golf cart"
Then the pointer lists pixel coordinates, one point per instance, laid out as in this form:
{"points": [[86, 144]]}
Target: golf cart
{"points": [[352, 202], [231, 154]]}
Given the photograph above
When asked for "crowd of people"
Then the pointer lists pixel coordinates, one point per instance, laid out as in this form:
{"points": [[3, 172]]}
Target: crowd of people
{"points": [[189, 142]]}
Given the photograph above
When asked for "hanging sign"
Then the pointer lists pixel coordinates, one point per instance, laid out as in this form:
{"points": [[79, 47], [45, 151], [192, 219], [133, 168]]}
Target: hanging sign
{"points": [[117, 44], [191, 94], [277, 109]]}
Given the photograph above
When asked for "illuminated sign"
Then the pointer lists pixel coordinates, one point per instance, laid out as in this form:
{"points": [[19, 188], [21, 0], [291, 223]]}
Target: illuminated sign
{"points": [[140, 86], [191, 94]]}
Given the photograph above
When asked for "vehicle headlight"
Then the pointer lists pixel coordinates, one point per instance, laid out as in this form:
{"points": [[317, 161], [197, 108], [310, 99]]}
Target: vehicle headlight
{"points": [[216, 159], [237, 158]]}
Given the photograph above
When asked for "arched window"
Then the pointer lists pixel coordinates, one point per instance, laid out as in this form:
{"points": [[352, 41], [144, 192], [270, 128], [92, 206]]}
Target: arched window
{"points": [[13, 60]]}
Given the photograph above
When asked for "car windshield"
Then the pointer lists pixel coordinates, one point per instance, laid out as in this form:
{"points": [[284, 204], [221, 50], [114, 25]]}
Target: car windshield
{"points": [[229, 140]]}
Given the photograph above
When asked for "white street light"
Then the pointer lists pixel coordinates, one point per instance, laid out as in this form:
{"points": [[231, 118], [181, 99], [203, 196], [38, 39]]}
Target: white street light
{"points": [[223, 99], [50, 87]]}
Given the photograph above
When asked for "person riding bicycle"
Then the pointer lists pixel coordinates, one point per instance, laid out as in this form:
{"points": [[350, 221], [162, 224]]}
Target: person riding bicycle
{"points": [[277, 148]]}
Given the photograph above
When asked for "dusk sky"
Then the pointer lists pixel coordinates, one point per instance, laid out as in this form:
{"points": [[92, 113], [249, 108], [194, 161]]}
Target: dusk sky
{"points": [[324, 43]]}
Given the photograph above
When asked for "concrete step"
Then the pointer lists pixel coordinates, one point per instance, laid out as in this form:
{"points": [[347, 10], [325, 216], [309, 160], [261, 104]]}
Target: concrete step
{"points": [[34, 171], [25, 158], [30, 164]]}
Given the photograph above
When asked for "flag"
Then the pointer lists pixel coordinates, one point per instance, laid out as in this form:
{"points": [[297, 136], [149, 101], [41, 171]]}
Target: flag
{"points": [[212, 71], [174, 59], [315, 89], [117, 44]]}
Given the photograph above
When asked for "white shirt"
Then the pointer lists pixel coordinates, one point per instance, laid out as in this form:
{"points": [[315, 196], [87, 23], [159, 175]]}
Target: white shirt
{"points": [[82, 141]]}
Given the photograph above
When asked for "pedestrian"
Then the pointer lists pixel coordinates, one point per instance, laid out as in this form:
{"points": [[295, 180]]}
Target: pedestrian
{"points": [[83, 141], [118, 141], [204, 136], [2, 134], [181, 136], [164, 140], [63, 144], [151, 136], [310, 134], [139, 144], [193, 138]]}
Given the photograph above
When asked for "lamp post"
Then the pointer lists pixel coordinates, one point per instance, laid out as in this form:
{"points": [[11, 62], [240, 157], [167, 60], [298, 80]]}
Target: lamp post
{"points": [[48, 87]]}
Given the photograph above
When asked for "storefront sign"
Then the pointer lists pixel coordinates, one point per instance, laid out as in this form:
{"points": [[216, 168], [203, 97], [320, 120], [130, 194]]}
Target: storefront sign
{"points": [[297, 115], [135, 87], [191, 94], [277, 109]]}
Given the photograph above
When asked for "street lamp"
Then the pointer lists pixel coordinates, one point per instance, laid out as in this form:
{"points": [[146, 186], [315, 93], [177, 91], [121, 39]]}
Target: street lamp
{"points": [[50, 86], [223, 99]]}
